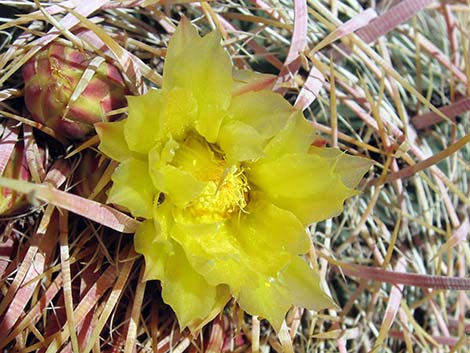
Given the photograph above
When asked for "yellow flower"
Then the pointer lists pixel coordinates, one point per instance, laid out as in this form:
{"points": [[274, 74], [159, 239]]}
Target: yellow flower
{"points": [[224, 174]]}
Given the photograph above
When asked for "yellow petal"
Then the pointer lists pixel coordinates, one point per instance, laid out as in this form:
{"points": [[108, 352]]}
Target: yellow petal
{"points": [[157, 115], [222, 297], [304, 184], [214, 252], [266, 298], [296, 137], [179, 114], [265, 110], [194, 301], [271, 297], [163, 153], [163, 218], [295, 175], [158, 157], [350, 168], [268, 228], [133, 188], [144, 121], [179, 185], [240, 142], [247, 80], [149, 242], [187, 292], [195, 156], [303, 284], [209, 122], [112, 142], [199, 64]]}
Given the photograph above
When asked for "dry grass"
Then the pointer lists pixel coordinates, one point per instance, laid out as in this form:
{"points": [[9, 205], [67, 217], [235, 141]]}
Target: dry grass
{"points": [[396, 261]]}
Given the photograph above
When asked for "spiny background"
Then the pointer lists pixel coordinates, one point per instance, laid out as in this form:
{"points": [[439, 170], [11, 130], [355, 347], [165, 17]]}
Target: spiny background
{"points": [[371, 76]]}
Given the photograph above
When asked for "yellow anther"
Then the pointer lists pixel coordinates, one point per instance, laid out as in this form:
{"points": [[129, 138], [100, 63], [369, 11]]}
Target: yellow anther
{"points": [[225, 193]]}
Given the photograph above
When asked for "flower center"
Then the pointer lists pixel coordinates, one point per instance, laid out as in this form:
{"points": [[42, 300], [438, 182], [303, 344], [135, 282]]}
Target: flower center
{"points": [[226, 191], [224, 195]]}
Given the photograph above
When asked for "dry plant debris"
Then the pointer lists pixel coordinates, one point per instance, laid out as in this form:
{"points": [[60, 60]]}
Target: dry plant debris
{"points": [[389, 81]]}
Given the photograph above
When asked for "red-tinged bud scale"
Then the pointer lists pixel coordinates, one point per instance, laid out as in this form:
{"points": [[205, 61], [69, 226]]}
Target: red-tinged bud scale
{"points": [[51, 78]]}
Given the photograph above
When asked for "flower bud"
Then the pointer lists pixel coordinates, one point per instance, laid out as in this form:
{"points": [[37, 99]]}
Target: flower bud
{"points": [[52, 76]]}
